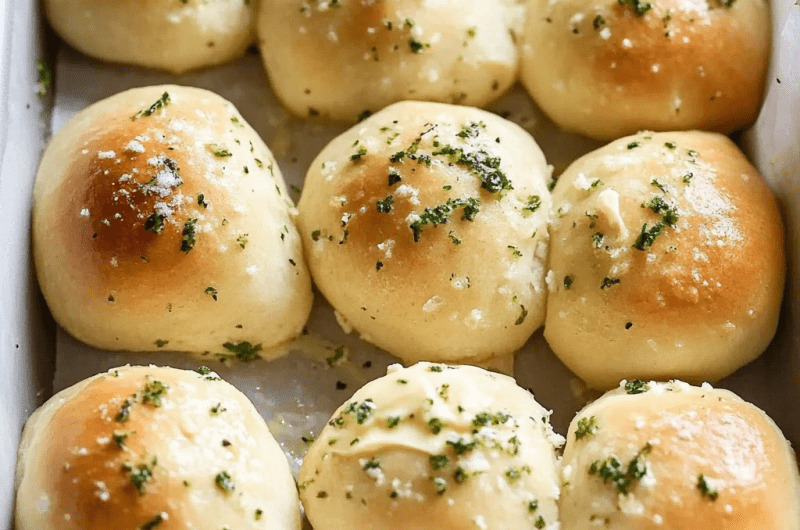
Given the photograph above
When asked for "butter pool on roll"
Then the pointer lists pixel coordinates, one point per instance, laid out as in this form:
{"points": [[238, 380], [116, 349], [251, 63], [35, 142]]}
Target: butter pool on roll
{"points": [[161, 221], [425, 226], [147, 447], [672, 456], [667, 260], [434, 446]]}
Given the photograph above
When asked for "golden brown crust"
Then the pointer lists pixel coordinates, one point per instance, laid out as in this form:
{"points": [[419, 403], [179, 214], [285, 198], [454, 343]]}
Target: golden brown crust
{"points": [[144, 445], [749, 474], [337, 60], [174, 36], [451, 448], [437, 289], [163, 221], [702, 299], [601, 70]]}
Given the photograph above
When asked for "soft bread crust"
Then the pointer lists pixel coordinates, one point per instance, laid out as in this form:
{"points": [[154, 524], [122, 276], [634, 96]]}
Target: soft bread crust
{"points": [[699, 303], [73, 475], [339, 59], [598, 69], [466, 290], [172, 35], [379, 464], [749, 469], [117, 285]]}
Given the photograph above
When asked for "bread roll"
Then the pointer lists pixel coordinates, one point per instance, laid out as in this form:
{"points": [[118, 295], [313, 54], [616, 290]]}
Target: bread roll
{"points": [[609, 68], [161, 221], [667, 261], [670, 456], [434, 446], [344, 59], [425, 227], [172, 35], [147, 447]]}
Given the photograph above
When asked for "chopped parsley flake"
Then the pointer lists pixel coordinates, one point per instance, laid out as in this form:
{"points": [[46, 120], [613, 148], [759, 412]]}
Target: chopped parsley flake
{"points": [[153, 392], [598, 22], [161, 343], [338, 355], [152, 523], [188, 233], [639, 7], [523, 313], [212, 292], [385, 205], [45, 78], [392, 421], [486, 167], [242, 240], [371, 464], [124, 413], [669, 214], [224, 482], [533, 204], [417, 46], [440, 484], [154, 223], [514, 474], [142, 475], [636, 386], [315, 235], [394, 176], [358, 154], [438, 461], [586, 427], [648, 236], [705, 489], [441, 214], [515, 251], [219, 151], [243, 351], [461, 447], [622, 477], [568, 280], [608, 282], [460, 475], [201, 200], [597, 238], [119, 438], [533, 506], [162, 102], [435, 425], [471, 131], [670, 145]]}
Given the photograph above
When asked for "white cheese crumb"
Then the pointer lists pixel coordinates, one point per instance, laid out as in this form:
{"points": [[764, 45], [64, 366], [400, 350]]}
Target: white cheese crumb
{"points": [[106, 154], [135, 147], [432, 304]]}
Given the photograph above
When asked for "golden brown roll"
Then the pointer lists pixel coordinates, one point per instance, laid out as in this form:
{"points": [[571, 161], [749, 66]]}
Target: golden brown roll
{"points": [[667, 260], [344, 59], [608, 68], [425, 228], [434, 446], [161, 221], [147, 447], [173, 35], [670, 456]]}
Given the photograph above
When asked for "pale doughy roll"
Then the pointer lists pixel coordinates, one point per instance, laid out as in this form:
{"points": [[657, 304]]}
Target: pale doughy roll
{"points": [[434, 446], [667, 260], [425, 228], [608, 68], [343, 58], [670, 456], [161, 221], [147, 447], [172, 35]]}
